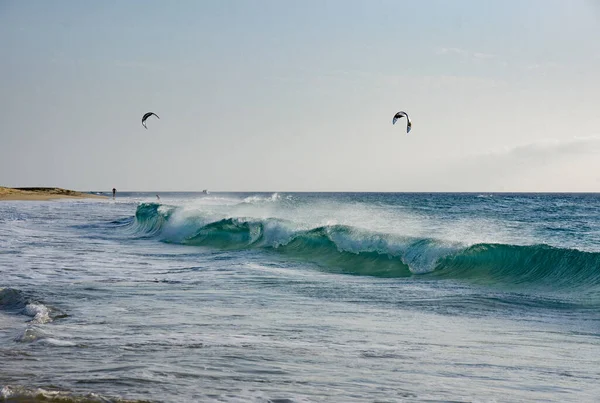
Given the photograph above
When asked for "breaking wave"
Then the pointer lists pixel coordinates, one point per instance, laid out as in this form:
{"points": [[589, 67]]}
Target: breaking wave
{"points": [[351, 250]]}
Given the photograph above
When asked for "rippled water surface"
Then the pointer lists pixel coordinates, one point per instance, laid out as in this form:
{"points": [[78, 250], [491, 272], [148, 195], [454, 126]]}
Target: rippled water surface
{"points": [[301, 298]]}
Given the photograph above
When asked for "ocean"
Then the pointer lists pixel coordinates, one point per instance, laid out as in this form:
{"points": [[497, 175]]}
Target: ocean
{"points": [[301, 297]]}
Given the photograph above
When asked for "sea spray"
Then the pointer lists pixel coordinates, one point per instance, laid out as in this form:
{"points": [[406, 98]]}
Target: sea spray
{"points": [[358, 251]]}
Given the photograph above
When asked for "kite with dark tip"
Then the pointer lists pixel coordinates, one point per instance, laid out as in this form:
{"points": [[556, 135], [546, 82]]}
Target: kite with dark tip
{"points": [[402, 114], [146, 116]]}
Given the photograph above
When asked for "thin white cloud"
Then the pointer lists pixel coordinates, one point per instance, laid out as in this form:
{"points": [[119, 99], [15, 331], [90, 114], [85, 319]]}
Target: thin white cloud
{"points": [[483, 56], [542, 66], [505, 169], [451, 51], [121, 64], [467, 54], [548, 148]]}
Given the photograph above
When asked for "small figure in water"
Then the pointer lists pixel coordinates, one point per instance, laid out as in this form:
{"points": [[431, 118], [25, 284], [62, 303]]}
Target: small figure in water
{"points": [[158, 197], [114, 192]]}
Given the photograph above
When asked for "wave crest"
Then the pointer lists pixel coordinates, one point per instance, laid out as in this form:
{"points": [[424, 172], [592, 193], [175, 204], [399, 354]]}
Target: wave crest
{"points": [[352, 250], [14, 393]]}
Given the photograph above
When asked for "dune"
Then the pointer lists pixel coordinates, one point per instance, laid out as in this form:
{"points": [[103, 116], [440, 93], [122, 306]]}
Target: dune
{"points": [[41, 193]]}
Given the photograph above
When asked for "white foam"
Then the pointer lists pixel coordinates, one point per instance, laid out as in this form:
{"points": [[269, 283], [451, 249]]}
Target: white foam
{"points": [[275, 197], [57, 342], [277, 233], [374, 218], [20, 393], [30, 335], [39, 312]]}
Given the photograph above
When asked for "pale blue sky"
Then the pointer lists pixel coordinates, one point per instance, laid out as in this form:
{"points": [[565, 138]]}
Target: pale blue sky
{"points": [[299, 95]]}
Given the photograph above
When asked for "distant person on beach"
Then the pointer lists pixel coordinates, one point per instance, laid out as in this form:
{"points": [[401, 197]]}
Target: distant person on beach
{"points": [[114, 192]]}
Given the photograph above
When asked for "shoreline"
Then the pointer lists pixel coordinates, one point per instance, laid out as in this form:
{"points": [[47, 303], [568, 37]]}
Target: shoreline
{"points": [[42, 193]]}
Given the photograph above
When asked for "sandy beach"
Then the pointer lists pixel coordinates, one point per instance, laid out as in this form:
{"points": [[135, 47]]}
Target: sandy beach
{"points": [[40, 193]]}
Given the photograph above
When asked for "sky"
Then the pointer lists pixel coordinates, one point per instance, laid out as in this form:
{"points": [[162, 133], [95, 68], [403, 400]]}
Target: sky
{"points": [[270, 95]]}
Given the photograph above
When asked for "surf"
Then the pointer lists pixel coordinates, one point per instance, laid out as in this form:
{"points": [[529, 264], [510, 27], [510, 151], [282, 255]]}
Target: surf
{"points": [[357, 251]]}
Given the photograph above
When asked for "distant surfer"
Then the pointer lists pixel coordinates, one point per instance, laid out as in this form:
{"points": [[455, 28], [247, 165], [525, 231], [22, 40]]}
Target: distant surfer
{"points": [[158, 197], [114, 192]]}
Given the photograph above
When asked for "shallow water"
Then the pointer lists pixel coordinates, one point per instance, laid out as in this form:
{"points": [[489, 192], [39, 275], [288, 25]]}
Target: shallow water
{"points": [[301, 298]]}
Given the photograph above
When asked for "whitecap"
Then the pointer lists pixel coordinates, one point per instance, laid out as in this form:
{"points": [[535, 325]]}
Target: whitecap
{"points": [[39, 312]]}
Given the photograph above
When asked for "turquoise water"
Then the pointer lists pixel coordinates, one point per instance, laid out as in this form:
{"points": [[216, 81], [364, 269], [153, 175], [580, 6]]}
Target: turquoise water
{"points": [[301, 297]]}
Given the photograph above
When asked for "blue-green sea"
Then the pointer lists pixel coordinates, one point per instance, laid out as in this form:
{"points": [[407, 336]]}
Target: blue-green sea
{"points": [[301, 297]]}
